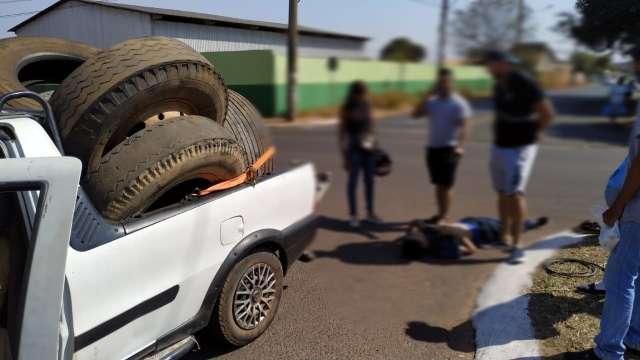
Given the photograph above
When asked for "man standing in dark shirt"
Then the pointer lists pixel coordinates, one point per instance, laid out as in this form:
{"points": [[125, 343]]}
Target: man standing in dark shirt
{"points": [[521, 112]]}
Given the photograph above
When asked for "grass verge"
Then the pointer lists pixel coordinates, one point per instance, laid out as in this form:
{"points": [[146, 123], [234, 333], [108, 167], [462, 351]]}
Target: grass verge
{"points": [[564, 320]]}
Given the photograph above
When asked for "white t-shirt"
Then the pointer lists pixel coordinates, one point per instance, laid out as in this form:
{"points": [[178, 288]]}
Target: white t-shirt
{"points": [[446, 115]]}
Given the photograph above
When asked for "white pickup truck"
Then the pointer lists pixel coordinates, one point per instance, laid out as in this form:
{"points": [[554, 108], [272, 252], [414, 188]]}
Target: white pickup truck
{"points": [[77, 287]]}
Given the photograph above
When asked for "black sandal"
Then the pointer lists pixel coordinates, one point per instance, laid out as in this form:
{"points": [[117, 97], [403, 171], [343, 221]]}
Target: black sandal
{"points": [[590, 289]]}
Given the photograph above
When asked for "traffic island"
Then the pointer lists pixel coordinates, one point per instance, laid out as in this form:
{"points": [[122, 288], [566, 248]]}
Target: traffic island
{"points": [[501, 320]]}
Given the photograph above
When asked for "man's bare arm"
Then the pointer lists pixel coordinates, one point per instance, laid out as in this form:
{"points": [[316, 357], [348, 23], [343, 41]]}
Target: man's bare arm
{"points": [[420, 110], [629, 190], [463, 135], [545, 112]]}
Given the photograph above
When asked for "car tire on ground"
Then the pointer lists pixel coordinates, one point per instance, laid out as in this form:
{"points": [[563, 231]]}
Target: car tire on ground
{"points": [[249, 299], [247, 126], [161, 165], [38, 64], [129, 87]]}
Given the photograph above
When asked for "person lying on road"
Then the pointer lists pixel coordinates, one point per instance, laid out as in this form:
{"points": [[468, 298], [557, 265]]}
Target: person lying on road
{"points": [[462, 238]]}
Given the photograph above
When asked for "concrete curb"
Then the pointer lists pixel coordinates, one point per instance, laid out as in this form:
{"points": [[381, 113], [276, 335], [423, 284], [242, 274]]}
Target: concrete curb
{"points": [[501, 319]]}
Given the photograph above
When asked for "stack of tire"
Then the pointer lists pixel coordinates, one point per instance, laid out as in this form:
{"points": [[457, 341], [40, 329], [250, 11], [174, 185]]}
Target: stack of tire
{"points": [[150, 119]]}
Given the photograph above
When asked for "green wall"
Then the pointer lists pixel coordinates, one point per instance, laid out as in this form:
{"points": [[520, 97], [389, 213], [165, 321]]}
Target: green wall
{"points": [[261, 77]]}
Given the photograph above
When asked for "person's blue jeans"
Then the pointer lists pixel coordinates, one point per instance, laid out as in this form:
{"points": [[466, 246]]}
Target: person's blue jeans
{"points": [[360, 160], [620, 324]]}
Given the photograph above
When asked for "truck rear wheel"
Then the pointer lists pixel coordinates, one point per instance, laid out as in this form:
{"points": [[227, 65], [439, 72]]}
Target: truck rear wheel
{"points": [[131, 86], [249, 299], [247, 126], [161, 165], [39, 64]]}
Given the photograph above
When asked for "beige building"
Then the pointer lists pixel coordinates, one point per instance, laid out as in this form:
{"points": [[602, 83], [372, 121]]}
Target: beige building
{"points": [[542, 61]]}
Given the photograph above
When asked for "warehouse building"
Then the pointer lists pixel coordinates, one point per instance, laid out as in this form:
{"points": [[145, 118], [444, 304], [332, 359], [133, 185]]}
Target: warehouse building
{"points": [[250, 55], [103, 24]]}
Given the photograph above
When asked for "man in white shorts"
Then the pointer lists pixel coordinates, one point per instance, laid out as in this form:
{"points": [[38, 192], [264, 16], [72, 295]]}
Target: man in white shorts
{"points": [[521, 112]]}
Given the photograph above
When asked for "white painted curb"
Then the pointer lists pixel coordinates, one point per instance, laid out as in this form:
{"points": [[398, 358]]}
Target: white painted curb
{"points": [[501, 320]]}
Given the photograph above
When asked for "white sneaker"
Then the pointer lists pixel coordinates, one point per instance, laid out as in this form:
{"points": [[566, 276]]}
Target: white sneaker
{"points": [[517, 256], [354, 222]]}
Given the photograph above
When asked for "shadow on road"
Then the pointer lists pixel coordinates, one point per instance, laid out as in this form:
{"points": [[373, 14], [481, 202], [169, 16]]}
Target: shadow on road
{"points": [[578, 105], [564, 104], [549, 310], [603, 132], [366, 229], [209, 350], [380, 252], [460, 338], [582, 119], [389, 253]]}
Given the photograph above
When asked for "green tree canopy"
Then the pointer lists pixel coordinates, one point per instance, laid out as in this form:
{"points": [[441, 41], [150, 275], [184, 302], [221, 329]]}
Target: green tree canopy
{"points": [[403, 49], [590, 64], [489, 24], [607, 23]]}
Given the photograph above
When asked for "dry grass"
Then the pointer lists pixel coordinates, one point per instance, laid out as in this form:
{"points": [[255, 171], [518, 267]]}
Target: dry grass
{"points": [[323, 112], [563, 320], [390, 101], [393, 100]]}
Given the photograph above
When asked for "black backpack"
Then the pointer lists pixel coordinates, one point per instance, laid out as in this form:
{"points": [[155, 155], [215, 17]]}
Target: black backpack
{"points": [[383, 162]]}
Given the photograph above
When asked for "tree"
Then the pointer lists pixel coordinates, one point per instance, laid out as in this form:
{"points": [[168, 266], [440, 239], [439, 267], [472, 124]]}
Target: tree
{"points": [[403, 49], [489, 24], [607, 24], [566, 22], [590, 64]]}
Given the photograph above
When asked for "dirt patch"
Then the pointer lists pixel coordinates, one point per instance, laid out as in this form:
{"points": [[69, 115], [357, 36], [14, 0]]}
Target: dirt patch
{"points": [[564, 320]]}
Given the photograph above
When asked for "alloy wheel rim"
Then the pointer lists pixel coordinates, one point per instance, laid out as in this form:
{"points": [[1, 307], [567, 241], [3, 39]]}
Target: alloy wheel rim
{"points": [[254, 296]]}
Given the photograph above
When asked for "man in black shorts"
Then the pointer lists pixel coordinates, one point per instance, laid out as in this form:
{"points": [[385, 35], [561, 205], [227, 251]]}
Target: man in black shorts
{"points": [[448, 114]]}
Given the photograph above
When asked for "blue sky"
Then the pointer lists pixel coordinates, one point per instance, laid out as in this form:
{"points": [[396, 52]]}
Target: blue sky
{"points": [[377, 19]]}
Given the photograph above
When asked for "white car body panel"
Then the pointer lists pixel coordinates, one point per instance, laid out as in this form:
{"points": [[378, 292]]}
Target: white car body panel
{"points": [[45, 264], [34, 141], [184, 250]]}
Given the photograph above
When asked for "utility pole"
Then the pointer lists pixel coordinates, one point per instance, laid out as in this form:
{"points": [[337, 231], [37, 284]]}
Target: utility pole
{"points": [[442, 36], [520, 22], [292, 60]]}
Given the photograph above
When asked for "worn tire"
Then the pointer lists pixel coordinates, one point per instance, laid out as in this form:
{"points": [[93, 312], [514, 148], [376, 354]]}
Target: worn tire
{"points": [[29, 61], [110, 96], [247, 126], [160, 165], [225, 325]]}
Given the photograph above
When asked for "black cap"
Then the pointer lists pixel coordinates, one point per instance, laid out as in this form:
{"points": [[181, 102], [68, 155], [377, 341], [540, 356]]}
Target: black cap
{"points": [[500, 55]]}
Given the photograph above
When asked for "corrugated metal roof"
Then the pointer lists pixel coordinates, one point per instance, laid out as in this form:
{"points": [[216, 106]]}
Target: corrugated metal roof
{"points": [[188, 16]]}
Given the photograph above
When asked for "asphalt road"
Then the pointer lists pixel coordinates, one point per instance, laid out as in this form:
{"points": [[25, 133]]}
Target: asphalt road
{"points": [[360, 299]]}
